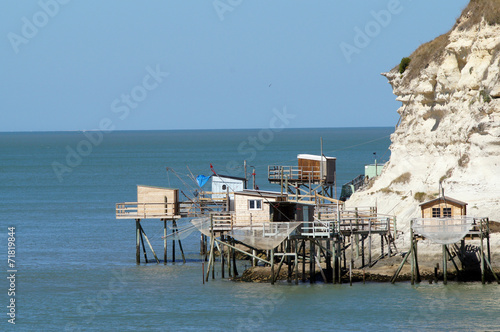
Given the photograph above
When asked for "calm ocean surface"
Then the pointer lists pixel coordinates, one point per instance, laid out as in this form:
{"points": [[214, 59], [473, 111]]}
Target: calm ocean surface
{"points": [[76, 263]]}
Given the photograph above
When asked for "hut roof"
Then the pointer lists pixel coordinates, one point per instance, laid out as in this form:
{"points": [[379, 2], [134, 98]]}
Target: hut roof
{"points": [[444, 199]]}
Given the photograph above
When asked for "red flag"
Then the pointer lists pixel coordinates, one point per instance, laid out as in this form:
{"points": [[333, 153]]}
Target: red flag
{"points": [[212, 169]]}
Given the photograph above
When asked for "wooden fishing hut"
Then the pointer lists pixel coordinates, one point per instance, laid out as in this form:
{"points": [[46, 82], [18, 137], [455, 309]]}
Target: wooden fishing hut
{"points": [[312, 173], [443, 207], [444, 221], [152, 203]]}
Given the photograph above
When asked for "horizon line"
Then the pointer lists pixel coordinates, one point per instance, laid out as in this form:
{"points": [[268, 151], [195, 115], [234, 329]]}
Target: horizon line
{"points": [[199, 129]]}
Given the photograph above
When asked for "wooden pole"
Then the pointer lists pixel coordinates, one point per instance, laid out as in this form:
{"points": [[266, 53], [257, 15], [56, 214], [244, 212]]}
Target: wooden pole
{"points": [[288, 262], [381, 245], [296, 261], [235, 270], [312, 269], [487, 221], [303, 260], [143, 247], [370, 242], [272, 266], [165, 241], [412, 260], [221, 254], [363, 250], [335, 253], [229, 273], [445, 265], [483, 281], [417, 269], [150, 246], [173, 243], [137, 242]]}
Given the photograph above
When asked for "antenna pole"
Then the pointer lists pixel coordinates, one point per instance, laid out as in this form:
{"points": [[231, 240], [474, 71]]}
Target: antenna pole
{"points": [[245, 168]]}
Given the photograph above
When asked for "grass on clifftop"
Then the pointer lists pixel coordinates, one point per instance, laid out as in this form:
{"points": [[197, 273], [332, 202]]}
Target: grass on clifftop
{"points": [[476, 10], [433, 51]]}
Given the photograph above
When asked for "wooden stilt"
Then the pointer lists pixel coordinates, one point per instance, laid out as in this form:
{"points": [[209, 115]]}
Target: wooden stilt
{"points": [[462, 253], [137, 242], [303, 260], [445, 265], [173, 243], [229, 258], [283, 258], [316, 257], [221, 254], [487, 221], [201, 244], [328, 258], [334, 265], [288, 262], [483, 281], [382, 245], [363, 251], [235, 270], [370, 242], [312, 272], [417, 269], [174, 224], [352, 251], [150, 246], [143, 247], [395, 276], [164, 241], [412, 262], [452, 260], [296, 261], [211, 257], [272, 266]]}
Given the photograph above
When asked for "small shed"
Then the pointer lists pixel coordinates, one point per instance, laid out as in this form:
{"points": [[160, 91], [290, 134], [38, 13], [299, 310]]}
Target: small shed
{"points": [[443, 207], [157, 201], [252, 206], [317, 168], [221, 184]]}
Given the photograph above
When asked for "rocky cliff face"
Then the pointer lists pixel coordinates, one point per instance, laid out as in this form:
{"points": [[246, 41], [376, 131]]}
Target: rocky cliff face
{"points": [[449, 129]]}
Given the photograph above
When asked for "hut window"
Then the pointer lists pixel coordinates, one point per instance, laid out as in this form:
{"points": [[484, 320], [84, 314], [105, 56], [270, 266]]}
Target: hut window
{"points": [[436, 212], [255, 204], [446, 212], [224, 187]]}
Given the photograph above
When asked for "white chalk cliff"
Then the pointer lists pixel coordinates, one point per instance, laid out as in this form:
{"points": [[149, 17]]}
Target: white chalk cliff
{"points": [[449, 129]]}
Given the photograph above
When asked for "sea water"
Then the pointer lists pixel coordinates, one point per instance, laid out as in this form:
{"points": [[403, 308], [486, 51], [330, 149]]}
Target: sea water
{"points": [[75, 263]]}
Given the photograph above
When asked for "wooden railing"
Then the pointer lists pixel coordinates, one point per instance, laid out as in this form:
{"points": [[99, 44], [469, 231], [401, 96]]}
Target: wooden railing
{"points": [[295, 174], [138, 210]]}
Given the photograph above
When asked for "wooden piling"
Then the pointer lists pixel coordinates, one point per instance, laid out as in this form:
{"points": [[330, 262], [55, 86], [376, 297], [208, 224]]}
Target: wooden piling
{"points": [[312, 271], [303, 260], [137, 242], [272, 266], [164, 241], [445, 265], [221, 255], [296, 261], [173, 244]]}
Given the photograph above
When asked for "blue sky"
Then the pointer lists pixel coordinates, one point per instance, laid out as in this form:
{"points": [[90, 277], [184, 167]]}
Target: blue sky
{"points": [[165, 64]]}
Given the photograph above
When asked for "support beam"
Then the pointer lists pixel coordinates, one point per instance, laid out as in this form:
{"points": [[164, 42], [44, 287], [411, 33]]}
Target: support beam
{"points": [[150, 246], [143, 247]]}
